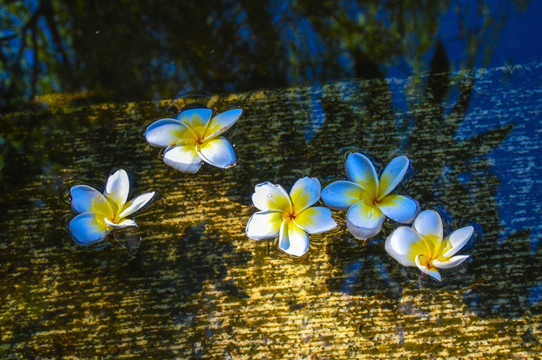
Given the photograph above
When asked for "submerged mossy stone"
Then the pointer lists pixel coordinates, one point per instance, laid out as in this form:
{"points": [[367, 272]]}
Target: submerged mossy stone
{"points": [[197, 287]]}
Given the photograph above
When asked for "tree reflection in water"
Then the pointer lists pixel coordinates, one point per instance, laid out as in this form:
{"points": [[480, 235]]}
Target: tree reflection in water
{"points": [[139, 50]]}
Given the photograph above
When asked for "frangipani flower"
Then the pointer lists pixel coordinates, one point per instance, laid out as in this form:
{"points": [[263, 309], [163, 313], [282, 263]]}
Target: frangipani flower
{"points": [[192, 137], [368, 199], [423, 246], [290, 217], [101, 213]]}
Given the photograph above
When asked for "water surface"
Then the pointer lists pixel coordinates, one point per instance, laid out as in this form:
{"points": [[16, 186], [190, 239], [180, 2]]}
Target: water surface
{"points": [[196, 286]]}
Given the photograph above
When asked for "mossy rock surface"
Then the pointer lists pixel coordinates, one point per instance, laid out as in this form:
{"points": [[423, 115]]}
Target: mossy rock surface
{"points": [[198, 288]]}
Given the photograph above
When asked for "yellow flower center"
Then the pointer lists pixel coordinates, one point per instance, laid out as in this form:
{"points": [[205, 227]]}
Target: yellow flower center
{"points": [[108, 208], [199, 134], [105, 207], [427, 262], [369, 198], [194, 136], [430, 247], [289, 215]]}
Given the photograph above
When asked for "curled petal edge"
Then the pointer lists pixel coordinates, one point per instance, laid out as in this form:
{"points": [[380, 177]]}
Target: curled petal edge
{"points": [[123, 224], [450, 263], [433, 273]]}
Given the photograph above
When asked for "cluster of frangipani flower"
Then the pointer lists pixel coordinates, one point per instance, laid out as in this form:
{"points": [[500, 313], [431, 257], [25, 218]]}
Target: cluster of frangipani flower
{"points": [[368, 200], [192, 138], [195, 137]]}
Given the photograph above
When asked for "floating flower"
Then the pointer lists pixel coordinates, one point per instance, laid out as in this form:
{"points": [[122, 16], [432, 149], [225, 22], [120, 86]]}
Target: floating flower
{"points": [[101, 213], [194, 137], [423, 246], [290, 217], [368, 199]]}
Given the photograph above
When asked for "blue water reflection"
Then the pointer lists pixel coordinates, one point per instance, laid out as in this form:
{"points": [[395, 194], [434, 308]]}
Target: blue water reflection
{"points": [[535, 295], [515, 159]]}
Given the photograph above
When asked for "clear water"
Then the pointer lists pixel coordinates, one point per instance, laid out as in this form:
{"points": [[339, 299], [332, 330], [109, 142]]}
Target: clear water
{"points": [[195, 286]]}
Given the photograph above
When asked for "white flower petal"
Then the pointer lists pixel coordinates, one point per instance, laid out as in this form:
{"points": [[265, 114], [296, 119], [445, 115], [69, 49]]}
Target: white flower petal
{"points": [[117, 187], [451, 262], [122, 224], [392, 175], [360, 170], [304, 193], [399, 243], [183, 158], [433, 273], [315, 220], [364, 221], [217, 152], [399, 208], [196, 119], [428, 222], [340, 195], [136, 204], [86, 198], [458, 239], [293, 240], [87, 228], [165, 132], [269, 196], [222, 122], [264, 225]]}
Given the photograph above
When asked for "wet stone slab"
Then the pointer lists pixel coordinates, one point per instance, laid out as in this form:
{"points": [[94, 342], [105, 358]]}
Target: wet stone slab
{"points": [[198, 288]]}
